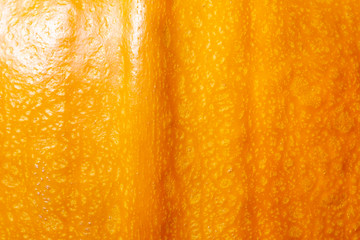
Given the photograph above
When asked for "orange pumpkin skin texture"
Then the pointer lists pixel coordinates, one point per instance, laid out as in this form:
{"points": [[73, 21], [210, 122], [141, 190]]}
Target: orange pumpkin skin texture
{"points": [[179, 119]]}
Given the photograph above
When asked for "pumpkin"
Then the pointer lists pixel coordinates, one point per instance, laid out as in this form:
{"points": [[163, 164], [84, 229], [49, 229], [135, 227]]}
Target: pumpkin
{"points": [[179, 119]]}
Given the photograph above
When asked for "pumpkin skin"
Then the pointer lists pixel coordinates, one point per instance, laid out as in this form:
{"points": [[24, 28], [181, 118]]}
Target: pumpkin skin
{"points": [[179, 119]]}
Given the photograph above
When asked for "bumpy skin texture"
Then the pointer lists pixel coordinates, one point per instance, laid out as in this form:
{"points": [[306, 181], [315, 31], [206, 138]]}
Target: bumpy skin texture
{"points": [[180, 119]]}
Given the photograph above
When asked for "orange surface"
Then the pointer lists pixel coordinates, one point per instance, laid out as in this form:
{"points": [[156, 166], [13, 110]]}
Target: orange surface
{"points": [[179, 119]]}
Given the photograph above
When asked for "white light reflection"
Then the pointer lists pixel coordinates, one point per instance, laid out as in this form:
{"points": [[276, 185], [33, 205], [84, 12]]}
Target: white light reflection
{"points": [[137, 21], [34, 42]]}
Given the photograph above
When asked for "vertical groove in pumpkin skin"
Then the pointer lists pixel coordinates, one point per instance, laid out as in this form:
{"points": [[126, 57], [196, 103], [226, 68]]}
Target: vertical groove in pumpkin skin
{"points": [[169, 184], [244, 47]]}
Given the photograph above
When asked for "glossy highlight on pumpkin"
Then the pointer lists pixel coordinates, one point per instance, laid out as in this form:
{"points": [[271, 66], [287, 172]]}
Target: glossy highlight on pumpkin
{"points": [[179, 120]]}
